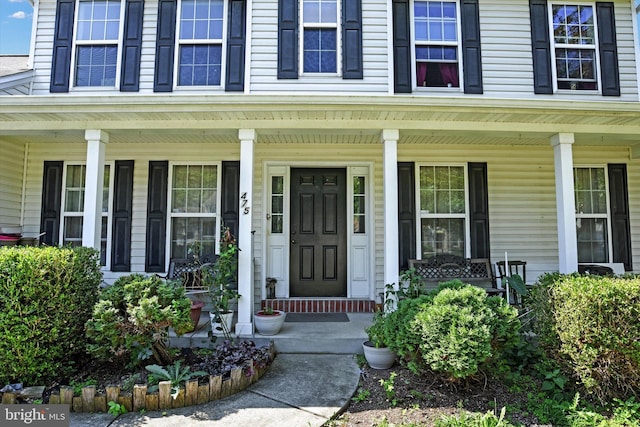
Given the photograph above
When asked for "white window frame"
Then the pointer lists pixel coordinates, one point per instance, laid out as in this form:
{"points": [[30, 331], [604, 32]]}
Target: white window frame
{"points": [[321, 25], [606, 215], [77, 43], [420, 214], [217, 214], [222, 42], [106, 210], [415, 43], [594, 47]]}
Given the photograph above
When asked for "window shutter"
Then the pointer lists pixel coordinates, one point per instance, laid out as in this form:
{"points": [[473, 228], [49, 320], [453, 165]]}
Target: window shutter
{"points": [[122, 211], [236, 41], [352, 39], [156, 217], [471, 52], [51, 203], [165, 46], [541, 47], [609, 73], [131, 46], [231, 195], [287, 39], [406, 213], [62, 45], [401, 47], [479, 210], [619, 207]]}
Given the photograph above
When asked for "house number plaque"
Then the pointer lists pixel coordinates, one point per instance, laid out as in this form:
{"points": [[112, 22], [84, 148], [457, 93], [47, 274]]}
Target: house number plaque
{"points": [[244, 203]]}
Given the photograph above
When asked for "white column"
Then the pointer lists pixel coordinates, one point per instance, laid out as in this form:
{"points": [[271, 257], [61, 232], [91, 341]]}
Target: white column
{"points": [[390, 172], [244, 327], [565, 202], [94, 177]]}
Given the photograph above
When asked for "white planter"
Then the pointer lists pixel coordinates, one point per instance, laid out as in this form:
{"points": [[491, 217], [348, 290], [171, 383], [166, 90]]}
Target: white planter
{"points": [[269, 324], [378, 357], [217, 328]]}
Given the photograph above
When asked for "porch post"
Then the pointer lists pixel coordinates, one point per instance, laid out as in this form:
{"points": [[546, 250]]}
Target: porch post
{"points": [[390, 175], [565, 202], [244, 327], [94, 178]]}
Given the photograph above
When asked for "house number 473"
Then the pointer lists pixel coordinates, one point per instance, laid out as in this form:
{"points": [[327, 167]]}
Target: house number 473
{"points": [[244, 204]]}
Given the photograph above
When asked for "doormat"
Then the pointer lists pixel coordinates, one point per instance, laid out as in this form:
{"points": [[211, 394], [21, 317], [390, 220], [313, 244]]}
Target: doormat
{"points": [[316, 317]]}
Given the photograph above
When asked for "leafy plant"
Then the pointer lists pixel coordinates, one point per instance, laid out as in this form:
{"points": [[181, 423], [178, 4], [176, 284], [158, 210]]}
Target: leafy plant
{"points": [[221, 276], [78, 386], [389, 388], [554, 383], [116, 409], [361, 395], [175, 373], [464, 419], [375, 331]]}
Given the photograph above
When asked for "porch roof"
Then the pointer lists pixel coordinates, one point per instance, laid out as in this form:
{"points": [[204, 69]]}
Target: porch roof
{"points": [[305, 118]]}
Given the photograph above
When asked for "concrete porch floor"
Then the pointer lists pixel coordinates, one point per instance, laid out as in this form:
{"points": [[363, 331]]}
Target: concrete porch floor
{"points": [[294, 337]]}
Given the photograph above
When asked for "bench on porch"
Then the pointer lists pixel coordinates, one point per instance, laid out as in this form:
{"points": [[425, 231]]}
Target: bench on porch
{"points": [[189, 271], [444, 267]]}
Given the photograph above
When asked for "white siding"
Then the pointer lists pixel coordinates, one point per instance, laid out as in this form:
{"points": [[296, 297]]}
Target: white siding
{"points": [[11, 179]]}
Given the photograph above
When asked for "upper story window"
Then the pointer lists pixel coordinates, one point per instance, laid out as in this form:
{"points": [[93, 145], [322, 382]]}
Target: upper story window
{"points": [[575, 45], [437, 50], [320, 36], [200, 41], [592, 214], [443, 210], [98, 27]]}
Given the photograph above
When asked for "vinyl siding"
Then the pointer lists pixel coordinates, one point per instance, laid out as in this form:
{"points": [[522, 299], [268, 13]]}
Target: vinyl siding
{"points": [[11, 178]]}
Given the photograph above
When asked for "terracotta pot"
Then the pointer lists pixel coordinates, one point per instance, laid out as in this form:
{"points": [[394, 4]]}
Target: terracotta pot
{"points": [[196, 309], [269, 324]]}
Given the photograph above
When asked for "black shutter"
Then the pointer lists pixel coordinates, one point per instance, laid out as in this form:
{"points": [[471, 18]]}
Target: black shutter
{"points": [[479, 210], [619, 206], [122, 211], [401, 47], [541, 47], [609, 73], [165, 46], [236, 42], [406, 213], [131, 46], [471, 52], [62, 45], [231, 196], [352, 39], [51, 203], [287, 39], [156, 217]]}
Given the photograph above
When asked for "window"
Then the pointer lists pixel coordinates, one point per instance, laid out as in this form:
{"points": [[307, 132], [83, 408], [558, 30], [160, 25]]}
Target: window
{"points": [[194, 209], [73, 208], [97, 35], [436, 43], [443, 210], [592, 219], [200, 37], [574, 45], [320, 36], [277, 204], [359, 205]]}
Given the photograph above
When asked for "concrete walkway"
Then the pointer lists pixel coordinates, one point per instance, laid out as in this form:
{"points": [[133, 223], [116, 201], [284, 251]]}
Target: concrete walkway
{"points": [[298, 390]]}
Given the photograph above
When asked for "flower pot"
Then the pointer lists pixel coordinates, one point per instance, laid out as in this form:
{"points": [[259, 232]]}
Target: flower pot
{"points": [[378, 357], [269, 324], [219, 328], [196, 309]]}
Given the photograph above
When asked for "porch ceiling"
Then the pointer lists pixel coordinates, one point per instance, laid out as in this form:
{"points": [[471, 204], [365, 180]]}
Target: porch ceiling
{"points": [[295, 119]]}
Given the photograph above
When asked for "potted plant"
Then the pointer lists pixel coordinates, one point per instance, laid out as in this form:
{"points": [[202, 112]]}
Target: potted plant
{"points": [[378, 355], [269, 321]]}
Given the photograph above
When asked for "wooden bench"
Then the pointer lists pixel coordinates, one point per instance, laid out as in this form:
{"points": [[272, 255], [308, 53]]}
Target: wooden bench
{"points": [[444, 267]]}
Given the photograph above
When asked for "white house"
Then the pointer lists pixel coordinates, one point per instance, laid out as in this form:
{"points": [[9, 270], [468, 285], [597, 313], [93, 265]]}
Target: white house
{"points": [[336, 138]]}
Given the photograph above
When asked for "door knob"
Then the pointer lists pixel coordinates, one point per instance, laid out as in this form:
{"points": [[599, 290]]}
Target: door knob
{"points": [[293, 242]]}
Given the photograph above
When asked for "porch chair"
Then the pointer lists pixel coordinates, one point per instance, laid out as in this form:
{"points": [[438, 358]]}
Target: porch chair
{"points": [[515, 267]]}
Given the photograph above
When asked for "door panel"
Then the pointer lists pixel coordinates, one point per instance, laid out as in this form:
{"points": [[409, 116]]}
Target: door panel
{"points": [[318, 265]]}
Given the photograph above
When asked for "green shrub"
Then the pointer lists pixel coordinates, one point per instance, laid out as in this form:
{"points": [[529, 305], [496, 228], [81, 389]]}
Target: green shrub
{"points": [[590, 325], [46, 296], [131, 321]]}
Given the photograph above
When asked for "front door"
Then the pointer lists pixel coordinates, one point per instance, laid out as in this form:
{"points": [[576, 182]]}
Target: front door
{"points": [[318, 266]]}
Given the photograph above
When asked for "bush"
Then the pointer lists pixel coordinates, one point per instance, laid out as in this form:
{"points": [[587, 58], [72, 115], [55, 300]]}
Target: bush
{"points": [[589, 324], [46, 296], [130, 323]]}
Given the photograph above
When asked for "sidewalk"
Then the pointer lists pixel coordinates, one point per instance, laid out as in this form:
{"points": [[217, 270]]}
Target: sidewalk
{"points": [[298, 390]]}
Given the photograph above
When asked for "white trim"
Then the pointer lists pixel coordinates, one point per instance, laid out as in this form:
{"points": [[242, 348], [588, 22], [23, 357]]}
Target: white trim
{"points": [[390, 194], [635, 13]]}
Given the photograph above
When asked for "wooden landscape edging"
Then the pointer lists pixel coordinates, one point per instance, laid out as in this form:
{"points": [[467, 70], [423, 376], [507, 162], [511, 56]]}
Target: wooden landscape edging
{"points": [[193, 393]]}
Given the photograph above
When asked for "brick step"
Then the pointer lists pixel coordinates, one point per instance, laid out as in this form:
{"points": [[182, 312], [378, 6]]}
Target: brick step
{"points": [[320, 305]]}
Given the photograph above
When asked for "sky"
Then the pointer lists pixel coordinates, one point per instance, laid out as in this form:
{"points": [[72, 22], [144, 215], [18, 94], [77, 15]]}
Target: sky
{"points": [[15, 26]]}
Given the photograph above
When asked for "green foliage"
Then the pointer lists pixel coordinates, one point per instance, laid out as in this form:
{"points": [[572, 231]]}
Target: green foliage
{"points": [[589, 324], [466, 419], [361, 395], [131, 321], [221, 277], [78, 386], [46, 296], [375, 331], [116, 409], [175, 373], [389, 388]]}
